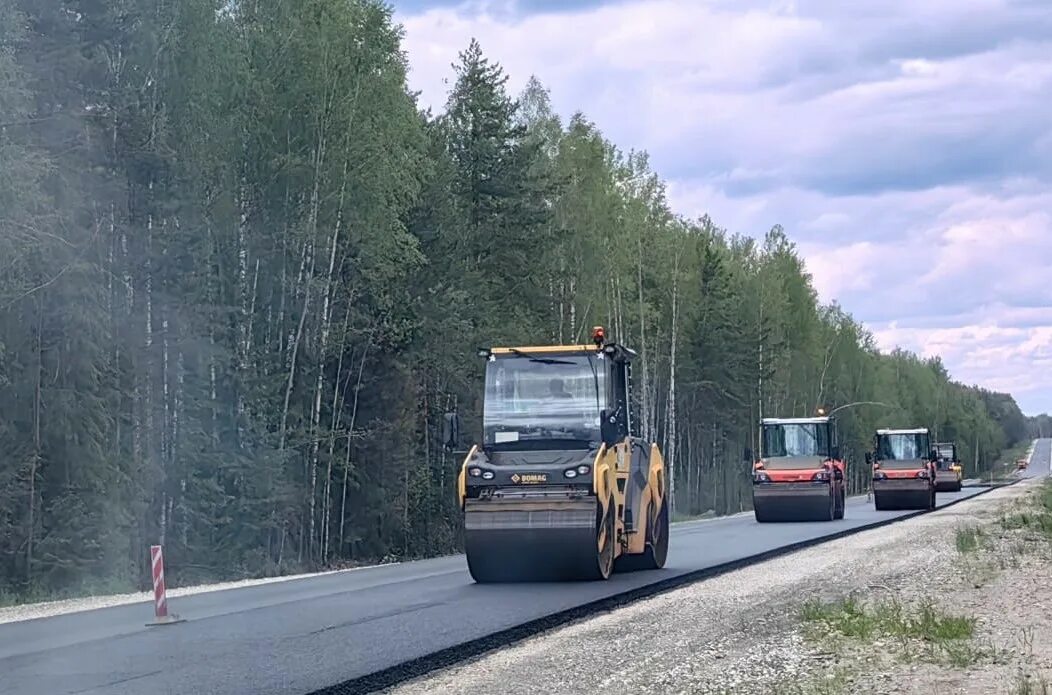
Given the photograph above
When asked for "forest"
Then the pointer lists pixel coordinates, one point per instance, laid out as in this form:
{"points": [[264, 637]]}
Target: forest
{"points": [[243, 274]]}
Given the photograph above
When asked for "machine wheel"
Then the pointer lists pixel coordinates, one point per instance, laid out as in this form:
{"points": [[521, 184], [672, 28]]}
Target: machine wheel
{"points": [[841, 503], [606, 531], [931, 502], [830, 513], [880, 504], [655, 553]]}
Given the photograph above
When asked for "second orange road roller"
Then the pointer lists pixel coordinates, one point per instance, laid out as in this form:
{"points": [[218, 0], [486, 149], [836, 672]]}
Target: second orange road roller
{"points": [[800, 474], [559, 488], [903, 469]]}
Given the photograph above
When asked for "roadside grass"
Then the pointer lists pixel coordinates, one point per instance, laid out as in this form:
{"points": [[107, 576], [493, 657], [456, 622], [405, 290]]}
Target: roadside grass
{"points": [[970, 539], [1035, 519], [910, 631], [87, 588], [1030, 684], [679, 518]]}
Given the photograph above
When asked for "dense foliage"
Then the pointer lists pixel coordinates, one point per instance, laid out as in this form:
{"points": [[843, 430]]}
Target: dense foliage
{"points": [[242, 276]]}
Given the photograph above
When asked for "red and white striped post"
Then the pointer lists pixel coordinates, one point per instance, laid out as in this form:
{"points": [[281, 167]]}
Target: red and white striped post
{"points": [[160, 596]]}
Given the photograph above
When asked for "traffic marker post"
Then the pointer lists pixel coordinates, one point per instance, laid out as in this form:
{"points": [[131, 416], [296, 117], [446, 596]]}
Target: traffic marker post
{"points": [[160, 597]]}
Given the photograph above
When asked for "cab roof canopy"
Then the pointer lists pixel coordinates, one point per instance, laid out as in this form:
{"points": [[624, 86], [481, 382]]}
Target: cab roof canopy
{"points": [[915, 430], [795, 420], [614, 349]]}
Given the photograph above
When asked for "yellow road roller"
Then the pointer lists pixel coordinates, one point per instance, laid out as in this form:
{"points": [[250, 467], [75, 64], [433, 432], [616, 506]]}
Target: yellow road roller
{"points": [[559, 489]]}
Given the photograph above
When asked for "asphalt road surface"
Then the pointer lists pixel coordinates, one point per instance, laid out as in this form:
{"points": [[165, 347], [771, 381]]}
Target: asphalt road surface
{"points": [[302, 635], [1041, 461]]}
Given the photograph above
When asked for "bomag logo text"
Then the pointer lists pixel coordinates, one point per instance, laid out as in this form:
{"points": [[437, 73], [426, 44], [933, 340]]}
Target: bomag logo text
{"points": [[529, 478]]}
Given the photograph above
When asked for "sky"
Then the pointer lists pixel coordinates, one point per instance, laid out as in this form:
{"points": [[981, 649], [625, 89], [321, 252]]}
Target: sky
{"points": [[906, 147]]}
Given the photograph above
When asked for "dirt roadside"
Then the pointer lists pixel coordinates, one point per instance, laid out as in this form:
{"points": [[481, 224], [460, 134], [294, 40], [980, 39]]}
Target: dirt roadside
{"points": [[957, 601]]}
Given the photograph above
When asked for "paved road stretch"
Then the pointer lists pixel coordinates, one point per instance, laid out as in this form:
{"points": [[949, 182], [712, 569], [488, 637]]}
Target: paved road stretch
{"points": [[302, 635]]}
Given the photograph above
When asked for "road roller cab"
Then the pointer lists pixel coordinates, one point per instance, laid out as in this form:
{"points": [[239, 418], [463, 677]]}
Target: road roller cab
{"points": [[948, 471], [558, 488], [903, 469], [799, 475]]}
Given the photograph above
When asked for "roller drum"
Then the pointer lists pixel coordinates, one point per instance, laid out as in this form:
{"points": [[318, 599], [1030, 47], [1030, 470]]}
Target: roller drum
{"points": [[516, 540], [899, 500], [947, 481], [787, 502]]}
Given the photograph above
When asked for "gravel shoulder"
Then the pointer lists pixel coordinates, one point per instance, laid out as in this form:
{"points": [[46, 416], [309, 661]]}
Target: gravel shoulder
{"points": [[905, 594]]}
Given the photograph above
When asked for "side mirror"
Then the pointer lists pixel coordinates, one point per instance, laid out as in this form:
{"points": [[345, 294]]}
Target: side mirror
{"points": [[747, 455], [869, 458], [835, 453], [450, 431]]}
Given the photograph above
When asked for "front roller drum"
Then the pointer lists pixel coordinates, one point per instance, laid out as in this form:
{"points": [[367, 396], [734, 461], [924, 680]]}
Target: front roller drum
{"points": [[513, 541], [901, 500], [944, 485], [787, 508]]}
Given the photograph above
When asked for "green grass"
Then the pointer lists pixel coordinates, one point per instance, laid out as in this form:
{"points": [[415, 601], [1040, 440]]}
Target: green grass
{"points": [[679, 518], [851, 618], [89, 587], [1037, 518], [1033, 685], [970, 539], [912, 631]]}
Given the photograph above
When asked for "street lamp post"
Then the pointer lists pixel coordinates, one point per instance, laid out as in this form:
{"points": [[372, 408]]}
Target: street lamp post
{"points": [[857, 403], [852, 405]]}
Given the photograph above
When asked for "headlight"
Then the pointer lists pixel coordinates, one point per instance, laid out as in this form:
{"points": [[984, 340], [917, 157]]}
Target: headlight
{"points": [[570, 473], [922, 474], [879, 475], [761, 477], [487, 475], [474, 472], [820, 475], [583, 470]]}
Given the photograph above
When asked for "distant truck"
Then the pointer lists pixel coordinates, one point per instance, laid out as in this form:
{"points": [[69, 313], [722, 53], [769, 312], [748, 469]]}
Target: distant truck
{"points": [[800, 474], [1021, 464], [948, 468], [903, 469]]}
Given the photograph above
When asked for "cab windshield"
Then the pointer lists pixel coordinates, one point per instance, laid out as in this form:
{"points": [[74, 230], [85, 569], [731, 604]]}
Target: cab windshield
{"points": [[945, 456], [783, 441], [892, 448], [530, 399]]}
